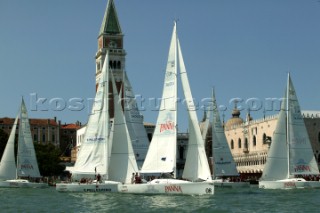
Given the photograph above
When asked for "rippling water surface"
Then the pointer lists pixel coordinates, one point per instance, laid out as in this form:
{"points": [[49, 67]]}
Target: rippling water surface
{"points": [[225, 200]]}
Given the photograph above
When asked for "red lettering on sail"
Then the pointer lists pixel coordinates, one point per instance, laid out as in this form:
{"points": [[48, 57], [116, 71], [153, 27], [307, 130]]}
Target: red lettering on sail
{"points": [[302, 168], [169, 125], [172, 188]]}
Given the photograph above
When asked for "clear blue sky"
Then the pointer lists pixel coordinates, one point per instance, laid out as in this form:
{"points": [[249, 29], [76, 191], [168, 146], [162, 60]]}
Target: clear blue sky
{"points": [[242, 48]]}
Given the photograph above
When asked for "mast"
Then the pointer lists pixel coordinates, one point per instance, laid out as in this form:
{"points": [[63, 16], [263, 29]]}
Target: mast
{"points": [[287, 127], [176, 89], [20, 132], [107, 146]]}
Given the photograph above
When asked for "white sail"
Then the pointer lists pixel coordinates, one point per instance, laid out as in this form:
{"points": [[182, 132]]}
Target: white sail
{"points": [[161, 156], [134, 120], [223, 162], [196, 165], [8, 164], [302, 160], [290, 134], [276, 166], [27, 165], [122, 162], [92, 157]]}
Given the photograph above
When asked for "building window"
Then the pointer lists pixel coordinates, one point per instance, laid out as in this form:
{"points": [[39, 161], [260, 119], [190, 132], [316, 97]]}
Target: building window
{"points": [[239, 143], [35, 138], [319, 137], [264, 138], [43, 138], [181, 151], [232, 144], [246, 146], [119, 65], [53, 138], [254, 140]]}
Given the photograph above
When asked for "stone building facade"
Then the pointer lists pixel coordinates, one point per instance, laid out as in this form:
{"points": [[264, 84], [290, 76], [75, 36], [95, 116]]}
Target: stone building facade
{"points": [[249, 140], [43, 131]]}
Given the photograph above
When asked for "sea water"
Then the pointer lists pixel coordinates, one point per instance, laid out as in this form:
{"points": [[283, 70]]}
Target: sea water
{"points": [[250, 200]]}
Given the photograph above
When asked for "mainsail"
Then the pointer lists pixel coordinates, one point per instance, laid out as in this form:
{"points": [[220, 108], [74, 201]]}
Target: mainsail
{"points": [[223, 162], [27, 165], [161, 156], [196, 166], [8, 164], [93, 154]]}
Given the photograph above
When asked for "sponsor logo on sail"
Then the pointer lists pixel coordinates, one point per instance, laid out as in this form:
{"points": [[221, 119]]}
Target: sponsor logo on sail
{"points": [[26, 166], [168, 126], [95, 139], [302, 166], [298, 140]]}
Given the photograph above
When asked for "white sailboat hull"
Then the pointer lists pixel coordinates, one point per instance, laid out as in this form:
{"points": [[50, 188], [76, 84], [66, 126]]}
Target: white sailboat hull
{"points": [[291, 183], [312, 184], [107, 186], [169, 186], [21, 183]]}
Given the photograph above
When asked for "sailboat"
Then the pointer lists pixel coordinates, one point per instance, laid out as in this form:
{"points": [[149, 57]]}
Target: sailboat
{"points": [[224, 168], [26, 174], [90, 173], [161, 156], [290, 156]]}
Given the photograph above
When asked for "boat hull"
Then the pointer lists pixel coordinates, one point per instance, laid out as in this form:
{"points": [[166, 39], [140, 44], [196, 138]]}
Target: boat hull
{"points": [[295, 183], [312, 184], [22, 184], [169, 187], [108, 186]]}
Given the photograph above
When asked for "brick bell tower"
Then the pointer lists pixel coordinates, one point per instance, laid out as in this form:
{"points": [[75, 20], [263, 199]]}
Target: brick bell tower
{"points": [[111, 39]]}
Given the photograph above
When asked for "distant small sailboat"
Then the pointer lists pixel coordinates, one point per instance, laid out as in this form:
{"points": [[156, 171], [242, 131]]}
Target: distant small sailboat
{"points": [[26, 174], [161, 156], [224, 166], [290, 156]]}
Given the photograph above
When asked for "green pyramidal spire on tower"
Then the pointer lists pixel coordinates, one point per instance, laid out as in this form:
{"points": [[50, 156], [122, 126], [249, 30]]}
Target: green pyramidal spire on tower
{"points": [[110, 22]]}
